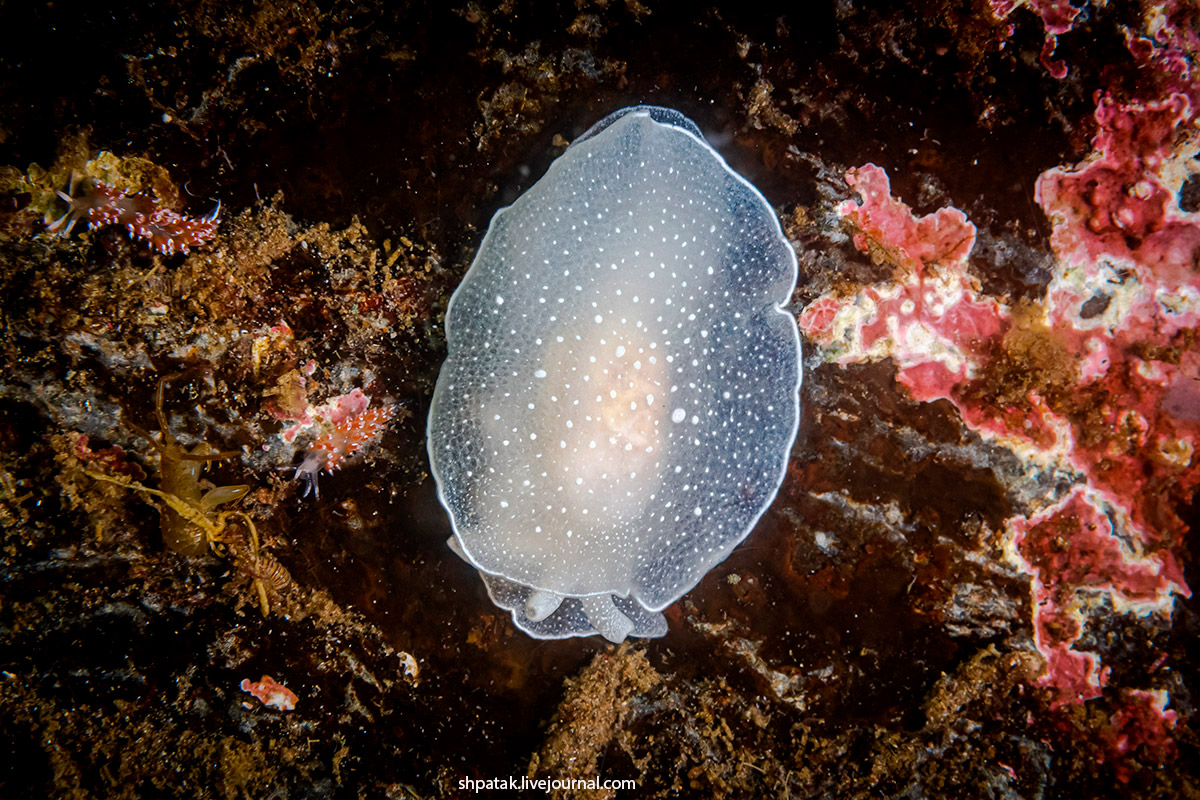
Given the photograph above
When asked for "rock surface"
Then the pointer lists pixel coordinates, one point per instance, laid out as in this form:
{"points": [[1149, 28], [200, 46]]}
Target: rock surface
{"points": [[974, 581]]}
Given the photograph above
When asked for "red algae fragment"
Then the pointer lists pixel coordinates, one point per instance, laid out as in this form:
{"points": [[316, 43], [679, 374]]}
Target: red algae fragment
{"points": [[270, 693], [1077, 550], [113, 460], [1058, 17], [1142, 726], [915, 243], [1169, 48], [1120, 234], [1117, 204]]}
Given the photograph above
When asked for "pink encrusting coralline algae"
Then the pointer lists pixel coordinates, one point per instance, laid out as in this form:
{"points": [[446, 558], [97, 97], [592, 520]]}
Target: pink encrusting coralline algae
{"points": [[1058, 17], [1120, 412], [931, 319], [101, 204], [349, 427]]}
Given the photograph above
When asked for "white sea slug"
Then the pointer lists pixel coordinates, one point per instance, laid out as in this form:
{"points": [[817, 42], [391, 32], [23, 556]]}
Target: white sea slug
{"points": [[622, 385]]}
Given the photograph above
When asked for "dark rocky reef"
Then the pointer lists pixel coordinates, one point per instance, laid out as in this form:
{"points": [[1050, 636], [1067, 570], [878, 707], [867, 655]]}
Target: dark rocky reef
{"points": [[943, 602]]}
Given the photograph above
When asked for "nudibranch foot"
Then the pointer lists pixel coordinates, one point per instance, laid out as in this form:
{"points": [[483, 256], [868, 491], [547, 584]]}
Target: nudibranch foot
{"points": [[606, 618], [549, 615], [541, 604]]}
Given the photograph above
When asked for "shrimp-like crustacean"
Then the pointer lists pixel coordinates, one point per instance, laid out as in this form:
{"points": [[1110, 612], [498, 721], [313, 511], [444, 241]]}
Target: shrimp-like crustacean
{"points": [[189, 525]]}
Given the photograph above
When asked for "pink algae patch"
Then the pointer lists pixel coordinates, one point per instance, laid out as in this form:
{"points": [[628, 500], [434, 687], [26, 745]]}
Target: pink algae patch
{"points": [[914, 243], [1115, 401], [113, 460], [1096, 558], [1116, 205], [333, 412], [1099, 380], [1121, 237], [1074, 676], [1142, 725], [930, 318], [1058, 17], [1167, 52], [1075, 553]]}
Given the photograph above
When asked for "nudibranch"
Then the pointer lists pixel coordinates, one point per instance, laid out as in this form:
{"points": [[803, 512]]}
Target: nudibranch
{"points": [[102, 204], [621, 389], [345, 434]]}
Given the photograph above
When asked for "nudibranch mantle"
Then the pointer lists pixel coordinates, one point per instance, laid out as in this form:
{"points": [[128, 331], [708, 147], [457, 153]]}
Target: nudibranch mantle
{"points": [[621, 389]]}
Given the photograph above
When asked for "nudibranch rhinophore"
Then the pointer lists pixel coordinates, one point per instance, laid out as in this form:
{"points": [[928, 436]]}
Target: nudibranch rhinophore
{"points": [[621, 389]]}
